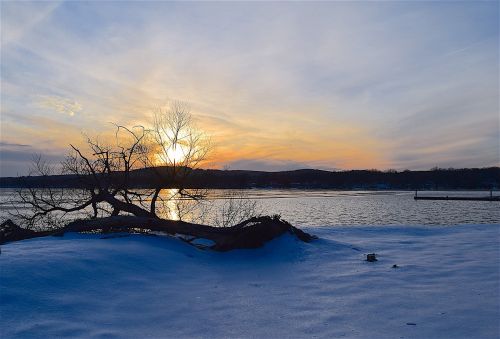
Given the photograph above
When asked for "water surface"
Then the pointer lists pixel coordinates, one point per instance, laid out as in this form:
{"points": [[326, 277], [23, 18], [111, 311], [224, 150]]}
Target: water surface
{"points": [[340, 208]]}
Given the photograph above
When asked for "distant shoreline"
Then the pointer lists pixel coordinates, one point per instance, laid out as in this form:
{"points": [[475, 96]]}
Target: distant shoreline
{"points": [[437, 179]]}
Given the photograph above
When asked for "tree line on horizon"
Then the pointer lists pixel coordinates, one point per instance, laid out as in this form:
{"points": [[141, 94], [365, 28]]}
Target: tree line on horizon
{"points": [[436, 178]]}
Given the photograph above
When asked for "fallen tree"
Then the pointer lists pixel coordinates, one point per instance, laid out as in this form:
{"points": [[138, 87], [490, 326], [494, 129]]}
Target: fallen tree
{"points": [[251, 233], [107, 201]]}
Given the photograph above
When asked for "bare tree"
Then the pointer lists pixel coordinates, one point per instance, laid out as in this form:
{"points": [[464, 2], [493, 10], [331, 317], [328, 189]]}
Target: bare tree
{"points": [[236, 208], [172, 148], [102, 175], [179, 147], [107, 199]]}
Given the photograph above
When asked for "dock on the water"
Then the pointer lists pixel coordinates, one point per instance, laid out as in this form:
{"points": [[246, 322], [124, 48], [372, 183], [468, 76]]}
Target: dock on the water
{"points": [[491, 197]]}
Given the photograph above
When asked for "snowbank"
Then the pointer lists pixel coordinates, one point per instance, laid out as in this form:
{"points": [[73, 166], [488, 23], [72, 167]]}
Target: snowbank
{"points": [[447, 285]]}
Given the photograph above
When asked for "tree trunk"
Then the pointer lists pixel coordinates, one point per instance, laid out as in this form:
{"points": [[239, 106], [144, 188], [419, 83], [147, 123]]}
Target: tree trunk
{"points": [[153, 201], [252, 233], [126, 207]]}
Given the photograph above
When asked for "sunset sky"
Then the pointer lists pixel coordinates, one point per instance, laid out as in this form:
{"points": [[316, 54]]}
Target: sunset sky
{"points": [[331, 85]]}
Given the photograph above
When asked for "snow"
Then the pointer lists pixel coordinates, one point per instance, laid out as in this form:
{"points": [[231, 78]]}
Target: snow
{"points": [[447, 285]]}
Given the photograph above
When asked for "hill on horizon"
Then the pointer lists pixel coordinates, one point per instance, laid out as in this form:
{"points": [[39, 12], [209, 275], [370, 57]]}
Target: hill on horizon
{"points": [[465, 178]]}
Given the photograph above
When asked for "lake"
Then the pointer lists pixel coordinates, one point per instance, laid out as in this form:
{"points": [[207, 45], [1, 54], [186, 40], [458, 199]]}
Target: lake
{"points": [[318, 208]]}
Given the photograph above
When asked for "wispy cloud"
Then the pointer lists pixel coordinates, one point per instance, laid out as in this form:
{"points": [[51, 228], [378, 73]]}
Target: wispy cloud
{"points": [[19, 18], [60, 104], [9, 144], [266, 165]]}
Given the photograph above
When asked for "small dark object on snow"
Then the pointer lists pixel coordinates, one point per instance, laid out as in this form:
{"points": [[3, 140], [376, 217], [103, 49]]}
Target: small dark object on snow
{"points": [[372, 257], [395, 266], [413, 324]]}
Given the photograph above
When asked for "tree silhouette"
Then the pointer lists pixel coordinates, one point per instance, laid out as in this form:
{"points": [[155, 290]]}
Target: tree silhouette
{"points": [[107, 200]]}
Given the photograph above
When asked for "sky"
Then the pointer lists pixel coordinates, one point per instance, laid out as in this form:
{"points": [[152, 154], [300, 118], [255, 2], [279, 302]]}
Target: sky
{"points": [[278, 85]]}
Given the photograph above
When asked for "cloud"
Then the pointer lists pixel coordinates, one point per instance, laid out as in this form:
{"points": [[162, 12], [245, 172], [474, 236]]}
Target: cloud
{"points": [[60, 104], [266, 165], [9, 144], [14, 162], [19, 18]]}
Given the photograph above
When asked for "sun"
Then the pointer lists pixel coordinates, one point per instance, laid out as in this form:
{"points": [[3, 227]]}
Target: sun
{"points": [[175, 154], [172, 155]]}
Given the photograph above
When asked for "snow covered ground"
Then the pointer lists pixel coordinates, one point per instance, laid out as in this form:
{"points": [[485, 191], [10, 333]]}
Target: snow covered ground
{"points": [[446, 286]]}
